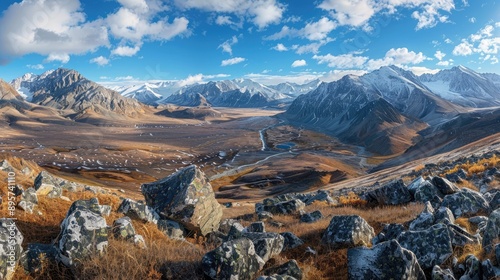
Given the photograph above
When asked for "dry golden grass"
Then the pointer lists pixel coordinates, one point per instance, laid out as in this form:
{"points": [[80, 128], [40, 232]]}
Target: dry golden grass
{"points": [[351, 199], [477, 167], [468, 185]]}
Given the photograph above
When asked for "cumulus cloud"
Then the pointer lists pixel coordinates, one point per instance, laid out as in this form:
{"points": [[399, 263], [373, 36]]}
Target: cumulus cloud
{"points": [[61, 57], [398, 57], [312, 47], [232, 61], [439, 55], [343, 61], [484, 42], [35, 66], [463, 49], [125, 50], [261, 12], [227, 46], [314, 31], [100, 60], [280, 47], [299, 63]]}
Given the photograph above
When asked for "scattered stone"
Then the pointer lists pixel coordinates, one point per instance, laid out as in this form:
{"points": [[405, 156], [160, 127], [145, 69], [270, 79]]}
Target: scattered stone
{"points": [[465, 202], [267, 244], [444, 186], [476, 220], [186, 197], [444, 215], [123, 228], [415, 184], [33, 258], [234, 259], [225, 225], [432, 246], [320, 195], [291, 241], [286, 207], [460, 237], [426, 191], [495, 201], [492, 230], [289, 270], [489, 271], [91, 205], [387, 260], [138, 210], [265, 216], [497, 252], [390, 231], [256, 227], [457, 176], [472, 268], [311, 217], [172, 229], [394, 193], [442, 274], [311, 251], [28, 200], [52, 186], [276, 224], [10, 248], [5, 166], [425, 219], [235, 232], [348, 231]]}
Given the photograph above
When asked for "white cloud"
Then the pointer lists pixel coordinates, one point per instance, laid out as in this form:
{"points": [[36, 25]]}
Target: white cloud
{"points": [[472, 20], [463, 49], [299, 63], [482, 42], [261, 12], [439, 55], [100, 60], [346, 12], [280, 47], [445, 62], [489, 46], [62, 57], [448, 41], [232, 61], [126, 50], [398, 57], [35, 66], [227, 46], [313, 31], [417, 70], [312, 47], [343, 61], [227, 20], [485, 32]]}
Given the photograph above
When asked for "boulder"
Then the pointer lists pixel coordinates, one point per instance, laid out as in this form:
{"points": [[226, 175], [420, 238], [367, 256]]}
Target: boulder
{"points": [[432, 246], [34, 257], [472, 269], [256, 227], [84, 233], [443, 215], [492, 230], [11, 248], [235, 231], [291, 241], [460, 237], [394, 193], [489, 271], [441, 274], [172, 229], [91, 205], [289, 270], [390, 231], [386, 260], [457, 176], [123, 228], [425, 219], [348, 231], [52, 186], [415, 184], [426, 191], [444, 186], [465, 202], [265, 216], [285, 207], [225, 225], [320, 195], [267, 244], [495, 201], [186, 197], [497, 252], [139, 211], [28, 200], [311, 217], [234, 259]]}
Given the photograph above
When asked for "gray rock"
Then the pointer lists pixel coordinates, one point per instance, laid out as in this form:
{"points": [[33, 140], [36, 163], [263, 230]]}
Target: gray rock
{"points": [[415, 184], [11, 248], [267, 244], [495, 201], [84, 233], [424, 220], [390, 231], [497, 252], [311, 217], [460, 237], [387, 260], [139, 211], [444, 186], [286, 207], [291, 241], [33, 258], [91, 205], [289, 270], [489, 271], [472, 269], [476, 220], [172, 229], [432, 246], [348, 231], [441, 274], [234, 259], [186, 197], [265, 216], [394, 193], [29, 200], [123, 228], [492, 230], [5, 166], [236, 231], [457, 176], [443, 215], [225, 225], [256, 227], [320, 195], [428, 192], [52, 186], [465, 202]]}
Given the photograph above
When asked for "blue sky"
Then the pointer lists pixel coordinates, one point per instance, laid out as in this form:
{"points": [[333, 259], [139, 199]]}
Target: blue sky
{"points": [[125, 41]]}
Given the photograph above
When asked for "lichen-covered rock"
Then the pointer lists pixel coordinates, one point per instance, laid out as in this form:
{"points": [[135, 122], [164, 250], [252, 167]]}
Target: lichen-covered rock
{"points": [[320, 195], [291, 241], [472, 269], [289, 271], [225, 225], [443, 215], [495, 201], [387, 260], [425, 219], [394, 193], [234, 259], [348, 231], [390, 231], [426, 191], [84, 233], [91, 205], [11, 248], [460, 237], [186, 197], [444, 186], [267, 244], [311, 217], [265, 216], [489, 271], [28, 200], [123, 228], [33, 258], [497, 252], [286, 207], [139, 211], [235, 231], [256, 227], [465, 202], [492, 230], [441, 274], [415, 184], [457, 176], [52, 186], [172, 229], [432, 246]]}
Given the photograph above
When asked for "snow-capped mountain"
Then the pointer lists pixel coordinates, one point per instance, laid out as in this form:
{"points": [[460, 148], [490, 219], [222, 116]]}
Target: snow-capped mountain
{"points": [[293, 89], [150, 92], [66, 89], [464, 86], [229, 93]]}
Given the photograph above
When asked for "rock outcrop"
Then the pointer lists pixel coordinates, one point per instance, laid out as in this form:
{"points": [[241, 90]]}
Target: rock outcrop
{"points": [[11, 240], [348, 231]]}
